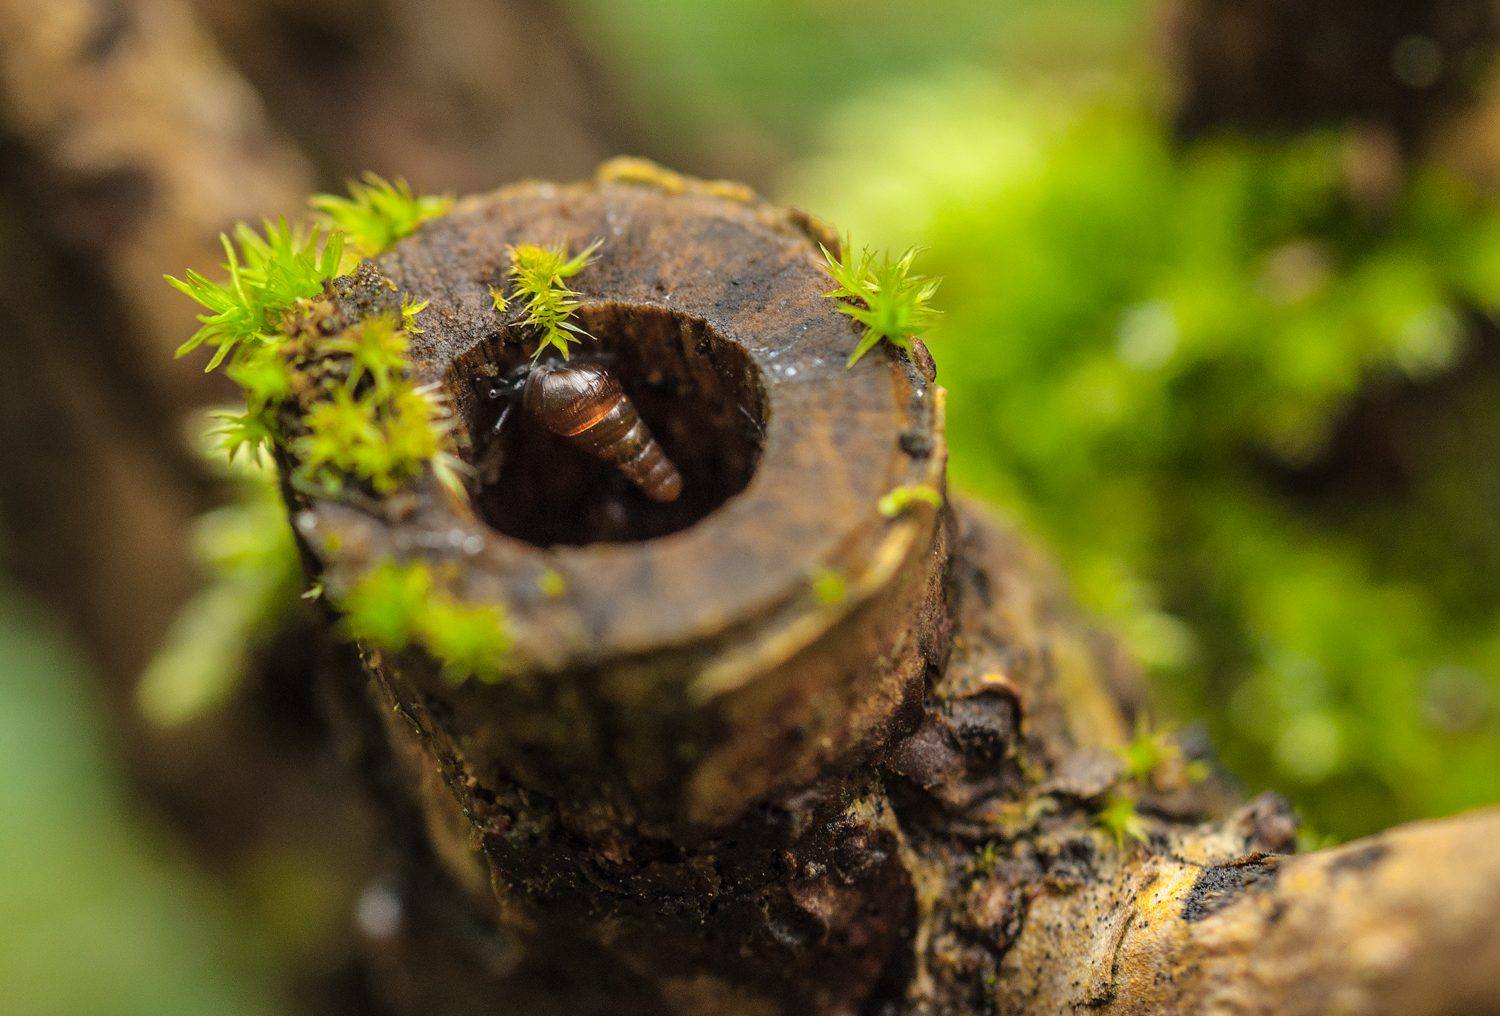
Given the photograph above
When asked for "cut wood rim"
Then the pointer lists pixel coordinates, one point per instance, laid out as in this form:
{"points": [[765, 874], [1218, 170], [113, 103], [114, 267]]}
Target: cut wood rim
{"points": [[724, 271]]}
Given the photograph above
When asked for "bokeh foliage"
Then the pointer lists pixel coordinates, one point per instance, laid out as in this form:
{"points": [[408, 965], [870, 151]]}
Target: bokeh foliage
{"points": [[102, 917], [1156, 353]]}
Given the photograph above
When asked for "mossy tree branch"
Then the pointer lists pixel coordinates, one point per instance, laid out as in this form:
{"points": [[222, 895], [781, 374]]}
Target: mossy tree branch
{"points": [[829, 747]]}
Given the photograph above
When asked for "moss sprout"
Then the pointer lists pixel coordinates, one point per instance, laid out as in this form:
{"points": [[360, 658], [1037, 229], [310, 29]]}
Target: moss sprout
{"points": [[551, 585], [377, 213], [537, 275], [898, 500], [1147, 751], [1120, 818], [829, 587], [884, 296]]}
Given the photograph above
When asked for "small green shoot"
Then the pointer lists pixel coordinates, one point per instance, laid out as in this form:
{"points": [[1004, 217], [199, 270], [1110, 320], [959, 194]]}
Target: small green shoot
{"points": [[829, 587], [1152, 761], [885, 297], [537, 274], [551, 585], [409, 311], [472, 641], [1149, 752], [385, 606], [898, 500], [377, 213], [988, 857], [395, 605], [378, 348], [1121, 820]]}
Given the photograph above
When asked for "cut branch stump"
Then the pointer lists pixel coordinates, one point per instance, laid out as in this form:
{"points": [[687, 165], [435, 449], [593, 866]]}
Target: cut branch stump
{"points": [[769, 749]]}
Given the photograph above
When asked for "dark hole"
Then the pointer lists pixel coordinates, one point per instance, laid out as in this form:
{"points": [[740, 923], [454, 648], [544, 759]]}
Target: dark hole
{"points": [[699, 394]]}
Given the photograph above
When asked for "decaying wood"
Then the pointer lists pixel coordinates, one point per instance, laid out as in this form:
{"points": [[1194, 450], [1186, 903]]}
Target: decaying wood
{"points": [[704, 789], [1401, 922]]}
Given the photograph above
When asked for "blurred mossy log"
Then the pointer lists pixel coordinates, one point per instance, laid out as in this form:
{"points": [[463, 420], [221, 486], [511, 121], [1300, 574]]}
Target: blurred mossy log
{"points": [[712, 781], [452, 96]]}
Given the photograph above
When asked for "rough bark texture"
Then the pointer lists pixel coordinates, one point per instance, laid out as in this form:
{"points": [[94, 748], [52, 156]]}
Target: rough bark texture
{"points": [[704, 789], [1401, 922]]}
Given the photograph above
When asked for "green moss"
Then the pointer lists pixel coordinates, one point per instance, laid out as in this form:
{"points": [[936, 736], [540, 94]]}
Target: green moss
{"points": [[357, 412], [829, 587], [883, 296], [395, 605], [537, 275], [266, 276], [472, 641], [384, 605], [1147, 751], [551, 584], [252, 576], [377, 213], [1121, 820], [363, 416], [1177, 365], [345, 407], [898, 500]]}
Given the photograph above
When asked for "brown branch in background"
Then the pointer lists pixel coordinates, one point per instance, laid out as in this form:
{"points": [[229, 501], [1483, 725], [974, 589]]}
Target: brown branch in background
{"points": [[454, 95], [150, 145], [126, 145], [1403, 922]]}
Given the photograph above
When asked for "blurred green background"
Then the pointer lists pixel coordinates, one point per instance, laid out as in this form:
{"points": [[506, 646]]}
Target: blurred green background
{"points": [[1244, 383]]}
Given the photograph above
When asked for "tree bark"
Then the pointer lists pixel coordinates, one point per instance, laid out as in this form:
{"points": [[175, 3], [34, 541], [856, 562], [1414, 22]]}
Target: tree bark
{"points": [[703, 787]]}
